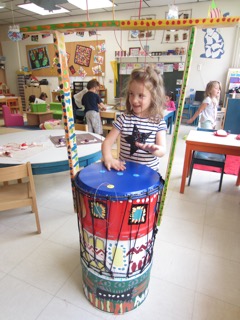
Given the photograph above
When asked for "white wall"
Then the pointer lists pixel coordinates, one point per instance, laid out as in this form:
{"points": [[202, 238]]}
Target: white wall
{"points": [[211, 69]]}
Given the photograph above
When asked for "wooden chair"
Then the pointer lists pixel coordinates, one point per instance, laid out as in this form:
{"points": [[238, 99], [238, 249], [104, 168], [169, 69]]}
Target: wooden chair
{"points": [[12, 103], [17, 189], [208, 159], [107, 119], [81, 126]]}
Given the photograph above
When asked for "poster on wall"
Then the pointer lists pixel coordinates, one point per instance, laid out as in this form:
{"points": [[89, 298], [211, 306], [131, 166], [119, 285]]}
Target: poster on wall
{"points": [[38, 58], [141, 35], [82, 55], [177, 36]]}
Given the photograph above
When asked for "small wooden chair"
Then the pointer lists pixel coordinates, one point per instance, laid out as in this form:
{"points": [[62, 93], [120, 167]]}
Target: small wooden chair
{"points": [[81, 126], [12, 103], [17, 189], [107, 119]]}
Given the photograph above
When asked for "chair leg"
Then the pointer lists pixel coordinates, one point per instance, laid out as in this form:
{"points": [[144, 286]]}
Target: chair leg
{"points": [[221, 179]]}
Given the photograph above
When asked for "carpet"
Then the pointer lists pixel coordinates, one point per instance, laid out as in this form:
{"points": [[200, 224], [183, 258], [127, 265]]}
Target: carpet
{"points": [[232, 166], [20, 128]]}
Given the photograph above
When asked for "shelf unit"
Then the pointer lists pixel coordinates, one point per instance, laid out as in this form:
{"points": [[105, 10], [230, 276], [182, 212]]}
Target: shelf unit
{"points": [[151, 59], [22, 78], [31, 90]]}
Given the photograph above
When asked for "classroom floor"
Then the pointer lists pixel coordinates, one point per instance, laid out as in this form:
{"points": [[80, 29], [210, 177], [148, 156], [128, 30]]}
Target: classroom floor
{"points": [[196, 263]]}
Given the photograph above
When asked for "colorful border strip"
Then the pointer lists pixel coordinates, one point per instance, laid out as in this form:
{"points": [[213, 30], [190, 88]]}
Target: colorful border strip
{"points": [[155, 24]]}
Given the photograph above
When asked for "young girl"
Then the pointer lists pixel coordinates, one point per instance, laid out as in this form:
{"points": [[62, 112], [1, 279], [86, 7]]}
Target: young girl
{"points": [[169, 101], [208, 108], [142, 127]]}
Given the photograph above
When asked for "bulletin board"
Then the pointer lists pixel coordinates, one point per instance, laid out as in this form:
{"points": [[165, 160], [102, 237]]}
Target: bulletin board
{"points": [[85, 58]]}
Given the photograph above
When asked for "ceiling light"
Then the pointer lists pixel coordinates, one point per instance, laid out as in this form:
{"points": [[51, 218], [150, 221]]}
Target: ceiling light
{"points": [[91, 4], [2, 5], [39, 10]]}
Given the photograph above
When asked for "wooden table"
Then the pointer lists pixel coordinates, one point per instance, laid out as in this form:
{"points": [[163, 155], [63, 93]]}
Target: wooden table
{"points": [[49, 158], [4, 101], [35, 118], [208, 142]]}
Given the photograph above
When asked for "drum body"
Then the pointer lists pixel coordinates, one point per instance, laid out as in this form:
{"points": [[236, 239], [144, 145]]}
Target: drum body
{"points": [[117, 213]]}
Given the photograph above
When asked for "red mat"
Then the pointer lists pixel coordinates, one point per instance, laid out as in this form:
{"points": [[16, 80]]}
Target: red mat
{"points": [[232, 166]]}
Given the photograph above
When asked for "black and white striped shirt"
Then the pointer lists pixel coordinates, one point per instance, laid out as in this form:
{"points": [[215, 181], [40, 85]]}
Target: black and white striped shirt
{"points": [[125, 124]]}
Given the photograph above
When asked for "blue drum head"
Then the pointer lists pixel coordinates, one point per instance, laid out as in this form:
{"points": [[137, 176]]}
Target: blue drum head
{"points": [[137, 180]]}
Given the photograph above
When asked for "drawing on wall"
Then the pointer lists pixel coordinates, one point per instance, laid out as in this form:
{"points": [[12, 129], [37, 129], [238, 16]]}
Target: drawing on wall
{"points": [[82, 55], [98, 59], [38, 58], [72, 69], [142, 34], [213, 44], [34, 38], [177, 36]]}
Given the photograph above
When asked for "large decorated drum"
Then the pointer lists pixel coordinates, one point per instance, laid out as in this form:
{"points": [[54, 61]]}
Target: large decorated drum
{"points": [[117, 213]]}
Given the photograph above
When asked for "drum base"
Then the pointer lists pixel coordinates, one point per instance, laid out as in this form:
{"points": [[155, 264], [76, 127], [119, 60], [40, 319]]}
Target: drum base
{"points": [[115, 296]]}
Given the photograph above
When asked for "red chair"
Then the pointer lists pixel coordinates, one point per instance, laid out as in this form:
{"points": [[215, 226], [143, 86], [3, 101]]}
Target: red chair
{"points": [[10, 119]]}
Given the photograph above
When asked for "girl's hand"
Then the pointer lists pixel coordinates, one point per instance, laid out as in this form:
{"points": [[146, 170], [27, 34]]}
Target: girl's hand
{"points": [[147, 147], [114, 164], [189, 121]]}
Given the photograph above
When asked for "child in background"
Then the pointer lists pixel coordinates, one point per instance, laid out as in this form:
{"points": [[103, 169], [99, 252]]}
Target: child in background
{"points": [[43, 96], [92, 103], [208, 108], [170, 104], [142, 126]]}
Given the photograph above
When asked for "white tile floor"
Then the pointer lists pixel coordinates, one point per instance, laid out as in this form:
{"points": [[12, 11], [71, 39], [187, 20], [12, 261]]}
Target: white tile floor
{"points": [[196, 267]]}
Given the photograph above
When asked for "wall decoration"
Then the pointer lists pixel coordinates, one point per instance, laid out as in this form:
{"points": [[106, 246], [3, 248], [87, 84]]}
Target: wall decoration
{"points": [[46, 35], [98, 59], [177, 36], [38, 58], [92, 33], [25, 36], [97, 70], [213, 44], [82, 55], [142, 34], [72, 69], [134, 52], [82, 73], [34, 38], [97, 48], [80, 33]]}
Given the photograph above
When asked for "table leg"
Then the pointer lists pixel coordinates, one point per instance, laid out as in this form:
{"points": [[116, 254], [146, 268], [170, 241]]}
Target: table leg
{"points": [[170, 124], [186, 165], [238, 178]]}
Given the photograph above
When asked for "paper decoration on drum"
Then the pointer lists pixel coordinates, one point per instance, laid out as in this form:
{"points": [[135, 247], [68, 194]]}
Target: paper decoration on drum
{"points": [[83, 55], [38, 58]]}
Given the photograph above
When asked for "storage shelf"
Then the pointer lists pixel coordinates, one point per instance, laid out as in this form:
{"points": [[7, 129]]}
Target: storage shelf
{"points": [[166, 59]]}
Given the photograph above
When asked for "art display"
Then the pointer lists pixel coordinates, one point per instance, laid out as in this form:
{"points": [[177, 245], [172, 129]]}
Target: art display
{"points": [[83, 55], [38, 58], [177, 36], [136, 35]]}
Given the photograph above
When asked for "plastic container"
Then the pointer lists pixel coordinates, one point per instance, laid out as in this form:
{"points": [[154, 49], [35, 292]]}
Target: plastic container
{"points": [[38, 107]]}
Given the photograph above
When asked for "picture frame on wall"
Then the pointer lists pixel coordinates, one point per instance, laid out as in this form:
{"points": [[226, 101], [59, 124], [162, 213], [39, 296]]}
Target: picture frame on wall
{"points": [[134, 52], [141, 35], [38, 58], [177, 36]]}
